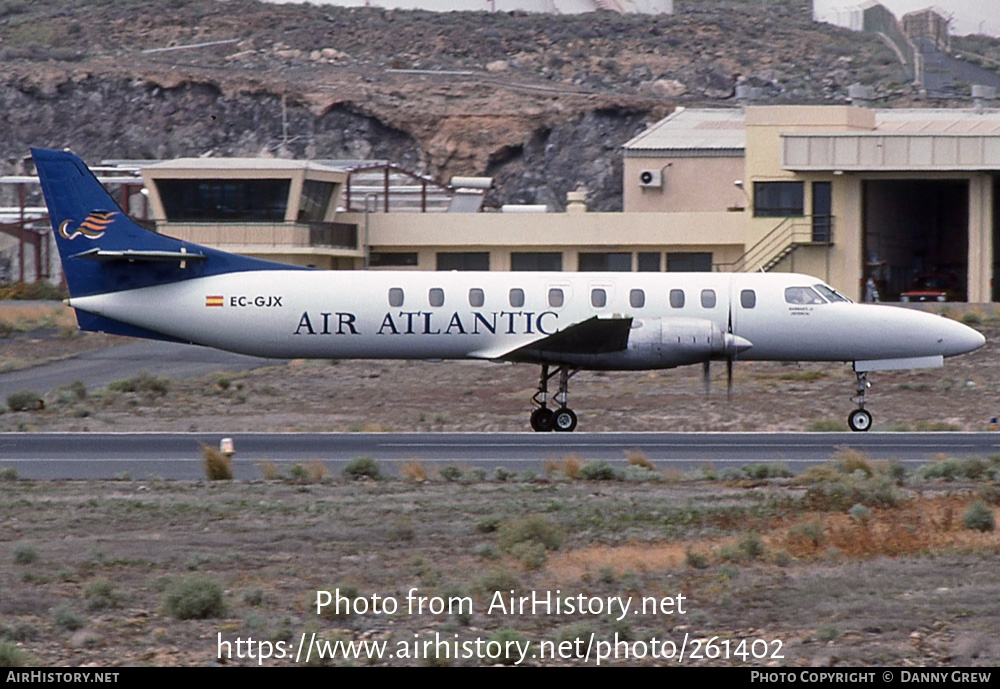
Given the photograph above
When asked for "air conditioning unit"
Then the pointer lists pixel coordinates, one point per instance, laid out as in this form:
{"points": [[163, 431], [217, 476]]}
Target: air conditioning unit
{"points": [[651, 179]]}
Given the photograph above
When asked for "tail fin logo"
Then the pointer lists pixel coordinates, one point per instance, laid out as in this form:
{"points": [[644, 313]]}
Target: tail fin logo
{"points": [[92, 227]]}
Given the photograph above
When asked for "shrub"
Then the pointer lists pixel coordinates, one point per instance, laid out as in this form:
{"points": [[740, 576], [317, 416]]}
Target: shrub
{"points": [[695, 560], [595, 470], [101, 594], [8, 474], [24, 554], [143, 381], [361, 467], [25, 400], [298, 472], [67, 618], [766, 470], [218, 465], [860, 513], [811, 532], [637, 473], [11, 655], [503, 474], [533, 528], [752, 546], [826, 633], [195, 597], [979, 517], [476, 474], [487, 551], [450, 473], [531, 554]]}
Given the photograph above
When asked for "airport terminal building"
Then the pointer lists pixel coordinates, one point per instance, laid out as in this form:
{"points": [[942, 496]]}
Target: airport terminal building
{"points": [[852, 195]]}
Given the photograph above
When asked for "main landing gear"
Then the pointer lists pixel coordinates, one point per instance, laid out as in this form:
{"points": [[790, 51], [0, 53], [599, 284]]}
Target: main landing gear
{"points": [[544, 419], [860, 419]]}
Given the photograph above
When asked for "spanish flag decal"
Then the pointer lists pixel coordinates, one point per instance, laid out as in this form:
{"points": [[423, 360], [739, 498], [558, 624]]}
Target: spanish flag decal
{"points": [[213, 300]]}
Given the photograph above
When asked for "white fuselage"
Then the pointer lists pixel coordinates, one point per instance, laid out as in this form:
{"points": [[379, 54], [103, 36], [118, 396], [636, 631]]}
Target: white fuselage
{"points": [[677, 318]]}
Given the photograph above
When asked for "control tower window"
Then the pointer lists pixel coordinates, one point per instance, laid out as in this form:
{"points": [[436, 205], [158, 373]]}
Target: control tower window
{"points": [[224, 200], [315, 200]]}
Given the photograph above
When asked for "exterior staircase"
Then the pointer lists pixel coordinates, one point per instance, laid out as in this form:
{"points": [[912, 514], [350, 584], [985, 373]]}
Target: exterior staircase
{"points": [[782, 241]]}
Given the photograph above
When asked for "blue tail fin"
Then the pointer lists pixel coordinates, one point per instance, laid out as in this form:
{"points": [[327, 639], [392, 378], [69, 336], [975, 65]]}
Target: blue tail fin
{"points": [[103, 250]]}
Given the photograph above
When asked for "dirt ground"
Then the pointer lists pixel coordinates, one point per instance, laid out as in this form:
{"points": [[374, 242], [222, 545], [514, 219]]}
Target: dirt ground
{"points": [[89, 573], [855, 565]]}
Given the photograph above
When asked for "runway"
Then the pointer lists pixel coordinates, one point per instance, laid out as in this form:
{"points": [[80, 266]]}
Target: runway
{"points": [[176, 455]]}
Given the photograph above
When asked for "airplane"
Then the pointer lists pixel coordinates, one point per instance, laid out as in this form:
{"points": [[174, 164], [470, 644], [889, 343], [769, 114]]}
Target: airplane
{"points": [[127, 280]]}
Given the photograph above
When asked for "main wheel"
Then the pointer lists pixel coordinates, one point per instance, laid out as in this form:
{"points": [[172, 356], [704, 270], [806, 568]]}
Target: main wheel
{"points": [[542, 419], [859, 420], [564, 420]]}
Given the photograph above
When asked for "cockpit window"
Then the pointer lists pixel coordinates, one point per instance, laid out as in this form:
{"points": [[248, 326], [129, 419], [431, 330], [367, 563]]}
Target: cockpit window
{"points": [[802, 295], [830, 293]]}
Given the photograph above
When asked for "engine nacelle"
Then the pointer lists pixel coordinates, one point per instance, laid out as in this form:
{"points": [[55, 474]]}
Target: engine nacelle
{"points": [[663, 343]]}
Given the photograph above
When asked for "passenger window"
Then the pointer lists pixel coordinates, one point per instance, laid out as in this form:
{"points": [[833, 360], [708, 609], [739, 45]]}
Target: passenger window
{"points": [[708, 298], [802, 295], [748, 299], [436, 296], [476, 297], [556, 297], [516, 297], [637, 298], [395, 296], [598, 298], [677, 298]]}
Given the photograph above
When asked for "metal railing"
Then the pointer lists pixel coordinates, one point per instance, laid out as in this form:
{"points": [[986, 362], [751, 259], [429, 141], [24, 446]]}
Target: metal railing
{"points": [[333, 235], [789, 235], [340, 235]]}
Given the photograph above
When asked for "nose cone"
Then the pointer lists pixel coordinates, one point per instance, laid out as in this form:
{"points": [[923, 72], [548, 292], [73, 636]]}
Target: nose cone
{"points": [[956, 338]]}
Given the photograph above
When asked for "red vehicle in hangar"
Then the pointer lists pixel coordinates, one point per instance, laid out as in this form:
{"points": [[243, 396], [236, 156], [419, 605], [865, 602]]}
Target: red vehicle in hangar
{"points": [[933, 287]]}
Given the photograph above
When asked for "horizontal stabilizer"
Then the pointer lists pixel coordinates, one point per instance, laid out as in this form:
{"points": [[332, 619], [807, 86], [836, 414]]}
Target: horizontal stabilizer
{"points": [[592, 336], [133, 256]]}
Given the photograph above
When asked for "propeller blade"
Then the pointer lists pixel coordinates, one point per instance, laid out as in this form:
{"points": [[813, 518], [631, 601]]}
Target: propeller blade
{"points": [[729, 377], [706, 377]]}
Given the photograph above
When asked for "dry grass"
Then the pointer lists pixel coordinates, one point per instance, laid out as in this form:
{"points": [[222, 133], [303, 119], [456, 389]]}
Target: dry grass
{"points": [[269, 470], [638, 458], [316, 471], [569, 467], [218, 466], [25, 317], [413, 471]]}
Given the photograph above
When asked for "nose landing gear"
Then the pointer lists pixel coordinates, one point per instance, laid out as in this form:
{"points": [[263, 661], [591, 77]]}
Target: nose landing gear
{"points": [[860, 419], [562, 419]]}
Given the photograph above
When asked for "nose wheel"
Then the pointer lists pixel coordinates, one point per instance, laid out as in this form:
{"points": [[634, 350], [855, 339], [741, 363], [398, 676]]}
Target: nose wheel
{"points": [[860, 419], [562, 419]]}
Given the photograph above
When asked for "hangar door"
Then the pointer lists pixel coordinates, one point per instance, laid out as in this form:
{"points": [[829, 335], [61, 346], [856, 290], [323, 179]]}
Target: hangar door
{"points": [[916, 229]]}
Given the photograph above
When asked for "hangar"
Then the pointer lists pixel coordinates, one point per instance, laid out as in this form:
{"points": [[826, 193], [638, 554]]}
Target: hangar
{"points": [[847, 193]]}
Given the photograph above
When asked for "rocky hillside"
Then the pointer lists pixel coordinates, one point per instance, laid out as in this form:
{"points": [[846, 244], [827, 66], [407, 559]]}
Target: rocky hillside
{"points": [[540, 102]]}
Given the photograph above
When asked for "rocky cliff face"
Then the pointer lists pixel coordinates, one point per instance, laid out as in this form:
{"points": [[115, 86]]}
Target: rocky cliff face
{"points": [[542, 103]]}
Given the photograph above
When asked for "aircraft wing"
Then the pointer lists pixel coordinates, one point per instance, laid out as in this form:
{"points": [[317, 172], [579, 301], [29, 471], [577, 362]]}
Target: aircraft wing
{"points": [[592, 336]]}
